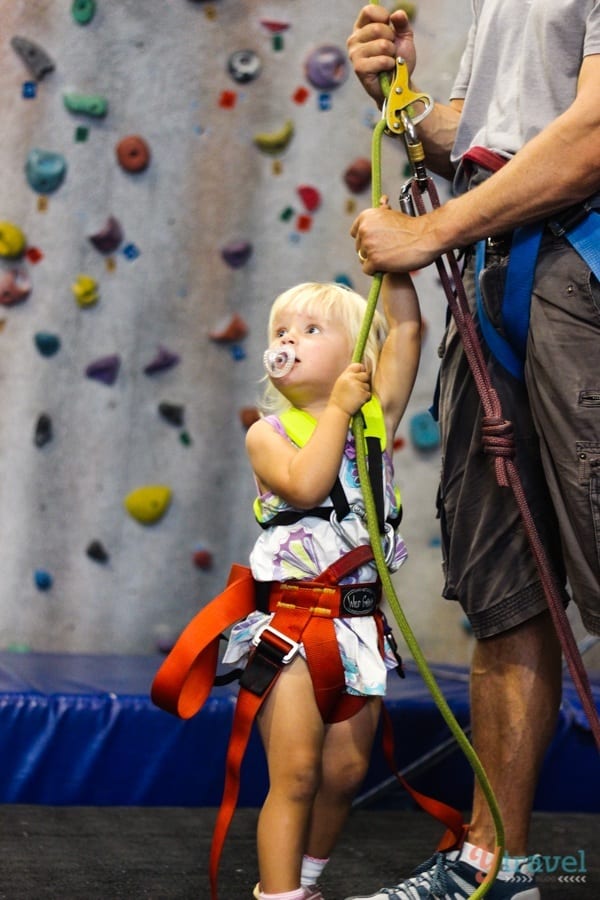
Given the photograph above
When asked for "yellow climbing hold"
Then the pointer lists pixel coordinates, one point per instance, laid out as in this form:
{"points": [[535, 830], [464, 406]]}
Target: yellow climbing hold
{"points": [[85, 290], [149, 503], [12, 240]]}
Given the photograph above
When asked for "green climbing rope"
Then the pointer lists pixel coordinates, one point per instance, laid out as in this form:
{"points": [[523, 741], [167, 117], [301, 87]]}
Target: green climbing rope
{"points": [[375, 538]]}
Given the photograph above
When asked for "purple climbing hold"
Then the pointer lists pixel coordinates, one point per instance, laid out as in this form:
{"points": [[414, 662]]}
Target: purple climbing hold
{"points": [[326, 67], [164, 359], [237, 253], [107, 238], [104, 369]]}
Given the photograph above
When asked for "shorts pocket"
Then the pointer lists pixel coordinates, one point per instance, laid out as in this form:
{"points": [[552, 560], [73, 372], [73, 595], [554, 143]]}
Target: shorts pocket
{"points": [[588, 455]]}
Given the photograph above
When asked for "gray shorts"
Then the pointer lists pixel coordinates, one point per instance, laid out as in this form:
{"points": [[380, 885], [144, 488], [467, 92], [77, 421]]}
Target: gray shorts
{"points": [[488, 565]]}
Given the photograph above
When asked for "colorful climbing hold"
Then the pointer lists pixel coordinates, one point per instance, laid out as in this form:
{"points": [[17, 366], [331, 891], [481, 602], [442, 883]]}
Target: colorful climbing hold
{"points": [[131, 252], [409, 8], [107, 238], [12, 240], [15, 286], [45, 171], [164, 359], [248, 416], [227, 99], [35, 57], [97, 551], [310, 196], [43, 580], [29, 90], [104, 369], [274, 142], [237, 253], [34, 255], [86, 104], [233, 329], [133, 153], [244, 66], [43, 433], [149, 503], [83, 11], [358, 175], [326, 67], [48, 344], [85, 290], [173, 413], [203, 558], [424, 431]]}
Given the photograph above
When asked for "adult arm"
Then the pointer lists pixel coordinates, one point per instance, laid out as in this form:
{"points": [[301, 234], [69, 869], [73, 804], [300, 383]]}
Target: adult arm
{"points": [[554, 170]]}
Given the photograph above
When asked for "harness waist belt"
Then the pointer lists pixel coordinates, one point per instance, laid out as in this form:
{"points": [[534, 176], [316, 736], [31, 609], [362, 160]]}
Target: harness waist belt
{"points": [[328, 601]]}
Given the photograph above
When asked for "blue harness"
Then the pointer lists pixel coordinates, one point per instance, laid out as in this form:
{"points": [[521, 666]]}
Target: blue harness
{"points": [[582, 230]]}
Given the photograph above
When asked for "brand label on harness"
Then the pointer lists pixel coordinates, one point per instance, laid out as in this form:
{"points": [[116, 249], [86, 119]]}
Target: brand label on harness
{"points": [[359, 601]]}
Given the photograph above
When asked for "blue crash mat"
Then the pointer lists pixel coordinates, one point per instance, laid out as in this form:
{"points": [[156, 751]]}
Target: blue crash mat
{"points": [[82, 730]]}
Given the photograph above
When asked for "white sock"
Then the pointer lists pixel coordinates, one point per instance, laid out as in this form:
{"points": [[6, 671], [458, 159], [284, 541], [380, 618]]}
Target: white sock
{"points": [[298, 894], [482, 859], [311, 869]]}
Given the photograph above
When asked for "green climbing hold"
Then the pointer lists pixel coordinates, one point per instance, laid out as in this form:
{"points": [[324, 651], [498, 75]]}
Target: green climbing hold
{"points": [[83, 11], [86, 104]]}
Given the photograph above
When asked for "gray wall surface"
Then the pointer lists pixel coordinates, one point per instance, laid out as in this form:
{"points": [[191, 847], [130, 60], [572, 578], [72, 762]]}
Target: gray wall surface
{"points": [[162, 65]]}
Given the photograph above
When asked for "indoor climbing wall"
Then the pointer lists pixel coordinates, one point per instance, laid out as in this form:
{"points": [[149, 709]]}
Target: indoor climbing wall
{"points": [[170, 166]]}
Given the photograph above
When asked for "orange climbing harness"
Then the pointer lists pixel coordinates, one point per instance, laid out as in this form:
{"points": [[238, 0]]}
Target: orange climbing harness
{"points": [[303, 614]]}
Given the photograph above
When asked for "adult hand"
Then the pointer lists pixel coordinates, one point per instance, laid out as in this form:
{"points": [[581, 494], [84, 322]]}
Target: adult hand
{"points": [[376, 40], [390, 241]]}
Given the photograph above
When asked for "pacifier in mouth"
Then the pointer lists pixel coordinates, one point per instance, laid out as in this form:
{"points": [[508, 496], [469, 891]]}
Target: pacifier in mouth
{"points": [[278, 361]]}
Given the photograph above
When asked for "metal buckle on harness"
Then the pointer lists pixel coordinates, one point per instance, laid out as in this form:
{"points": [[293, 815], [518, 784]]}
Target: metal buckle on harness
{"points": [[293, 645]]}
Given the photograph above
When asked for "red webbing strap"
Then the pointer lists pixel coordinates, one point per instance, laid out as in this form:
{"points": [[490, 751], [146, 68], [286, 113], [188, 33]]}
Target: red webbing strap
{"points": [[186, 677], [456, 827], [246, 709], [323, 658]]}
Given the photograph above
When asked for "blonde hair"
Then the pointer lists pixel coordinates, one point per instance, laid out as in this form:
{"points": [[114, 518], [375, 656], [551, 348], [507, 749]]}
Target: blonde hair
{"points": [[333, 300]]}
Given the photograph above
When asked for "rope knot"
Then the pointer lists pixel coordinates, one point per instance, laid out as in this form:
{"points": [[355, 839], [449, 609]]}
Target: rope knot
{"points": [[497, 437]]}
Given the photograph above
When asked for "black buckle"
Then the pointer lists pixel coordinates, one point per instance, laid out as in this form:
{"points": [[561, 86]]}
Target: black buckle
{"points": [[569, 219], [267, 661]]}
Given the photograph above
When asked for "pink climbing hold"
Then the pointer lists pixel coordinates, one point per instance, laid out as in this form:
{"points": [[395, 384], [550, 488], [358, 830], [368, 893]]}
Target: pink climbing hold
{"points": [[15, 287]]}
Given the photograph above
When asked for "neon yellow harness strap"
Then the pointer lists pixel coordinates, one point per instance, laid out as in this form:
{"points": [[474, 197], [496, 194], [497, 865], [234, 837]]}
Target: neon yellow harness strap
{"points": [[388, 587]]}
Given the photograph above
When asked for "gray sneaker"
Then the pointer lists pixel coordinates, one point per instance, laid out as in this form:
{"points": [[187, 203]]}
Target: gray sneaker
{"points": [[445, 877]]}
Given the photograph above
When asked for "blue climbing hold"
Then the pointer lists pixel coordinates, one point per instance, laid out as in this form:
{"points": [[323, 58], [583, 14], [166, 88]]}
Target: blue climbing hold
{"points": [[43, 580], [424, 431], [45, 171], [48, 344]]}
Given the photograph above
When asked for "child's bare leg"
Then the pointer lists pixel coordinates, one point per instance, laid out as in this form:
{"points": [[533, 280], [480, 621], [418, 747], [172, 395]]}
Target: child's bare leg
{"points": [[292, 732], [346, 755]]}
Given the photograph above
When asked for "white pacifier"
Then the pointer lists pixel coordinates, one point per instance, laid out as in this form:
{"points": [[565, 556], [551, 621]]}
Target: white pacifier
{"points": [[278, 361]]}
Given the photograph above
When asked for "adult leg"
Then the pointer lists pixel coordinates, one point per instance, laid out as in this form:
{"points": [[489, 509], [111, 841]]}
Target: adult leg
{"points": [[292, 732], [515, 696]]}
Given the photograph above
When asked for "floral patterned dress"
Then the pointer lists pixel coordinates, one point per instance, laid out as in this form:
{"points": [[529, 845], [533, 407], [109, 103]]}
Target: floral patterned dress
{"points": [[306, 548]]}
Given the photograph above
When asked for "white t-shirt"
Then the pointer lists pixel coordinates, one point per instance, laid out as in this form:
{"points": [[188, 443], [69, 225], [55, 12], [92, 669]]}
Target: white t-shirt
{"points": [[519, 69]]}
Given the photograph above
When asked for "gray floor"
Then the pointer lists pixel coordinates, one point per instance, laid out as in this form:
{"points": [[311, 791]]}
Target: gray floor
{"points": [[105, 853]]}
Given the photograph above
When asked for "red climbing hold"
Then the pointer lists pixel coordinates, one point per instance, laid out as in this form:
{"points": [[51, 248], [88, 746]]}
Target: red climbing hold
{"points": [[310, 196]]}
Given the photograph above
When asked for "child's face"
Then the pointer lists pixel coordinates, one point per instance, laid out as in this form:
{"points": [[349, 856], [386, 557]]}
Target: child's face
{"points": [[322, 351]]}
